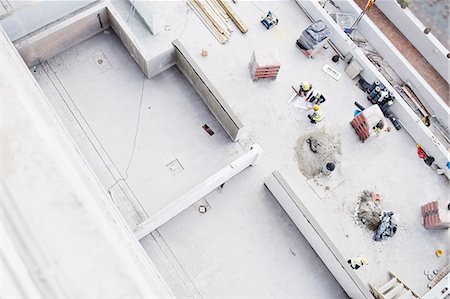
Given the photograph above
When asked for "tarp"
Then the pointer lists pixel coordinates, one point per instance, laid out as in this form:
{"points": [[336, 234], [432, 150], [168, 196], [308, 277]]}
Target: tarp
{"points": [[314, 36]]}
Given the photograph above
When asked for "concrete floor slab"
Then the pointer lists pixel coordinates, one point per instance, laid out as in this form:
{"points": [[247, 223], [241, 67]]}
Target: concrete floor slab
{"points": [[243, 246], [106, 85], [387, 164]]}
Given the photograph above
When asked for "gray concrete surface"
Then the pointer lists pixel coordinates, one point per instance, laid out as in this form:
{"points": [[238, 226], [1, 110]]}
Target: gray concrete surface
{"points": [[172, 116], [243, 246]]}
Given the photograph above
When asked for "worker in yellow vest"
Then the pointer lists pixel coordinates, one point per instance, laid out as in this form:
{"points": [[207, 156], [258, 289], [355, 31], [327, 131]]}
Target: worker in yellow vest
{"points": [[316, 97], [358, 262], [317, 115], [305, 88]]}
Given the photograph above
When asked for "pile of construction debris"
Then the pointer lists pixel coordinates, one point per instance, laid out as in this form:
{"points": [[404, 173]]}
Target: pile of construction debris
{"points": [[314, 150], [369, 213]]}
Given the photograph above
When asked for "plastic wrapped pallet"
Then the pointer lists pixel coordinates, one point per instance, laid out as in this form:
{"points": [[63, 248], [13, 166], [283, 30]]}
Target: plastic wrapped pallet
{"points": [[265, 63], [313, 38]]}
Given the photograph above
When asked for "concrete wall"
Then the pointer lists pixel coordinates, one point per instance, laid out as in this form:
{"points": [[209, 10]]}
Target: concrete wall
{"points": [[161, 62], [317, 238], [45, 44], [210, 95], [410, 121], [432, 101], [189, 198], [412, 28], [128, 38], [37, 14]]}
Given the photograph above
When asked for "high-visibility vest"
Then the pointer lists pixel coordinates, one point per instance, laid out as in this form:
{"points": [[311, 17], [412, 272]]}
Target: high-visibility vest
{"points": [[318, 115]]}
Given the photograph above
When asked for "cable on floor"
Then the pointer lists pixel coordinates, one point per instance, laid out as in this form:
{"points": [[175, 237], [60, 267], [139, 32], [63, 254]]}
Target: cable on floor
{"points": [[136, 133]]}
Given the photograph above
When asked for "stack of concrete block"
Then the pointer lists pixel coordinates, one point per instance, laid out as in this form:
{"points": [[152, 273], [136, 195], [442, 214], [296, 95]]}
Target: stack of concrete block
{"points": [[435, 215], [265, 64]]}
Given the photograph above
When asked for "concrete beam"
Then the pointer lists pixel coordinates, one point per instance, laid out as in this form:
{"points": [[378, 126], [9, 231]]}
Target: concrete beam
{"points": [[189, 198], [317, 238]]}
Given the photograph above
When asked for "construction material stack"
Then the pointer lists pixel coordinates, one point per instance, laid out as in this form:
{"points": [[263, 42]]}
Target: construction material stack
{"points": [[215, 15], [313, 38], [366, 121], [435, 215], [265, 63]]}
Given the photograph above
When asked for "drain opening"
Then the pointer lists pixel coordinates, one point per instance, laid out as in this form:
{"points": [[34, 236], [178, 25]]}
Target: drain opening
{"points": [[208, 129]]}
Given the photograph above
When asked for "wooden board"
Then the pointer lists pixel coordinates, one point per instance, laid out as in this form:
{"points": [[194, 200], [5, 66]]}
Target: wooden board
{"points": [[234, 17]]}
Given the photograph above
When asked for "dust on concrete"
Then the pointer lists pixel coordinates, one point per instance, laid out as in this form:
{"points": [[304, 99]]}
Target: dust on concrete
{"points": [[316, 149], [368, 212]]}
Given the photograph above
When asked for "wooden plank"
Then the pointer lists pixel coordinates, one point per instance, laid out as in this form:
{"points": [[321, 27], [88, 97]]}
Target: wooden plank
{"points": [[211, 18], [222, 11], [415, 100], [221, 20], [220, 38], [234, 17]]}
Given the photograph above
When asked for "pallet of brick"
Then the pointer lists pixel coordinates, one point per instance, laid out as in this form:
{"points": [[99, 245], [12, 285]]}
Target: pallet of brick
{"points": [[359, 123], [265, 63], [435, 215]]}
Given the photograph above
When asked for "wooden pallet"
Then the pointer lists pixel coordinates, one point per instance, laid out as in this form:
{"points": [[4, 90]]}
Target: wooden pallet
{"points": [[394, 288], [359, 123]]}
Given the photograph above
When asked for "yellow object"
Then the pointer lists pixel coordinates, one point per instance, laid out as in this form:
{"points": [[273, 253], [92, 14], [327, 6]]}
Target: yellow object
{"points": [[306, 85], [316, 107], [439, 252], [369, 4], [317, 94], [318, 115]]}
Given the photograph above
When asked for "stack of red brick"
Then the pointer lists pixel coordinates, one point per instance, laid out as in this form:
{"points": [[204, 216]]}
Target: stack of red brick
{"points": [[435, 216], [359, 123], [265, 64]]}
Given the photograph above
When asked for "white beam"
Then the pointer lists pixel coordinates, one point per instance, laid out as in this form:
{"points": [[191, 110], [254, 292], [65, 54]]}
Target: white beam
{"points": [[186, 200]]}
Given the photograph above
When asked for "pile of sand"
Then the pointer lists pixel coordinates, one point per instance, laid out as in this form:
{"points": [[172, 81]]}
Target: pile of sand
{"points": [[368, 212], [316, 149]]}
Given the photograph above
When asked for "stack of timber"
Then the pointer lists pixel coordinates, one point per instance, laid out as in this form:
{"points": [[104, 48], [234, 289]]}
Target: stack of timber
{"points": [[215, 15]]}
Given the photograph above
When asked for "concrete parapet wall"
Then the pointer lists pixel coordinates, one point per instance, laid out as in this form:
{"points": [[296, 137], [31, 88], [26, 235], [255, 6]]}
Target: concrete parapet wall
{"points": [[431, 100], [410, 121], [411, 27], [317, 238], [44, 44], [38, 14], [128, 38], [210, 95]]}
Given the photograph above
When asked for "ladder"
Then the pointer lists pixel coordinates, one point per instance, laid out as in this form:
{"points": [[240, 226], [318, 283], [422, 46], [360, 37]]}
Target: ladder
{"points": [[393, 289]]}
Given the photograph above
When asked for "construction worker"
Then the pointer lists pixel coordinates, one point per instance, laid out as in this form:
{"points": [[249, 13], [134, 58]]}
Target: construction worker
{"points": [[316, 97], [358, 262], [317, 115], [305, 88]]}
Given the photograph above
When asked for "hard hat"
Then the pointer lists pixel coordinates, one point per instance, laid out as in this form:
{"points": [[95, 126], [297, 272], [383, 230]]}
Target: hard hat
{"points": [[306, 85], [316, 107], [317, 93]]}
